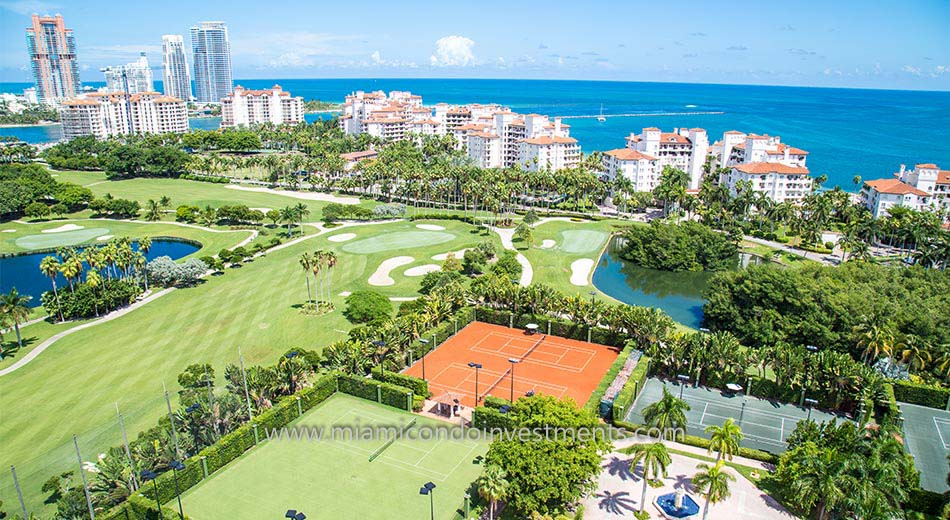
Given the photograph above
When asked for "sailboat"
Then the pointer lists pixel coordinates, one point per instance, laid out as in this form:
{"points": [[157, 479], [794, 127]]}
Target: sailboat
{"points": [[601, 117]]}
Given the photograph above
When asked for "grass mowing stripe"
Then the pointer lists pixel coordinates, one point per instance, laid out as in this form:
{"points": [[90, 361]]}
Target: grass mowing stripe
{"points": [[379, 451]]}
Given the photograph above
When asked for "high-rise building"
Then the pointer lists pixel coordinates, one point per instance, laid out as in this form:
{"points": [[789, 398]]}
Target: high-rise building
{"points": [[175, 76], [132, 77], [212, 61], [115, 113], [251, 107], [52, 51]]}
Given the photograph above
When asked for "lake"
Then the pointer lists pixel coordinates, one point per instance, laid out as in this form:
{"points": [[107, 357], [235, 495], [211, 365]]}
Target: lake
{"points": [[23, 271], [679, 294]]}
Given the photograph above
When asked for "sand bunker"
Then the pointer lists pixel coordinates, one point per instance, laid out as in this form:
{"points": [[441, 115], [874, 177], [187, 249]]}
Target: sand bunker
{"points": [[580, 269], [64, 227], [9, 231], [103, 238], [306, 195], [430, 227], [421, 270], [445, 256], [381, 276], [345, 293], [547, 244], [342, 237]]}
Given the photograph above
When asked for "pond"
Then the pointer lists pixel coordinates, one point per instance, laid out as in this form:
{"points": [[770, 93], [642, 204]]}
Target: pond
{"points": [[23, 271], [678, 294]]}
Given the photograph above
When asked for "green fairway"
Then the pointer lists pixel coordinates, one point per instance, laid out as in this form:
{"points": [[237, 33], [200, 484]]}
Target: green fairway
{"points": [[73, 385], [399, 240], [335, 479], [581, 241], [552, 266], [60, 239]]}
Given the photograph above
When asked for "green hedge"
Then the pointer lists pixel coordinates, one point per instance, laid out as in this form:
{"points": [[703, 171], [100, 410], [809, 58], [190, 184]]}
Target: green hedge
{"points": [[922, 394], [384, 393], [631, 389], [138, 507], [593, 404], [417, 385], [890, 411], [485, 418], [924, 501], [491, 401]]}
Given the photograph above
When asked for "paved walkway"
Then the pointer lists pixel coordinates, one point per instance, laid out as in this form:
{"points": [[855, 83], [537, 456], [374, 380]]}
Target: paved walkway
{"points": [[818, 257], [506, 235], [619, 490]]}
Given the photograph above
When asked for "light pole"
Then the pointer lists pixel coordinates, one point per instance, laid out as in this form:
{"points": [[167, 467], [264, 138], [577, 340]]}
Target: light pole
{"points": [[811, 404], [425, 350], [429, 489], [150, 475], [176, 467], [513, 361], [290, 373], [683, 379], [811, 350], [293, 514], [476, 366]]}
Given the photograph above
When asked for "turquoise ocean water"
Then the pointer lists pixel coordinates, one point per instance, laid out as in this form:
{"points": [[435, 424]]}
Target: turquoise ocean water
{"points": [[847, 131]]}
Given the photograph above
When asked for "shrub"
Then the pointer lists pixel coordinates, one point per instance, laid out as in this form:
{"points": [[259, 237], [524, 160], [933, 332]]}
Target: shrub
{"points": [[383, 393], [438, 279], [36, 210], [630, 391], [507, 265], [85, 301], [925, 395], [417, 385], [367, 306], [164, 271], [473, 261], [389, 211]]}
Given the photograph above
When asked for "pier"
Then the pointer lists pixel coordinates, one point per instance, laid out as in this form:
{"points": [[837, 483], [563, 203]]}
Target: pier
{"points": [[645, 114]]}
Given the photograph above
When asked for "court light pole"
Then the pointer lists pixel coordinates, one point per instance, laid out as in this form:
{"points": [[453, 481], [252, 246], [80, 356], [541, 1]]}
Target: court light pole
{"points": [[176, 467], [477, 367], [150, 475], [513, 361], [425, 349], [429, 489], [293, 514], [811, 404], [683, 379]]}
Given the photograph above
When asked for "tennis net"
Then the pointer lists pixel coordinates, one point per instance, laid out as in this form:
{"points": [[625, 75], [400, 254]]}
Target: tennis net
{"points": [[379, 451]]}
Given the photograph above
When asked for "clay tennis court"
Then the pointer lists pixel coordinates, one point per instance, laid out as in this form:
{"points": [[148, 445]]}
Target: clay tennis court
{"points": [[549, 365]]}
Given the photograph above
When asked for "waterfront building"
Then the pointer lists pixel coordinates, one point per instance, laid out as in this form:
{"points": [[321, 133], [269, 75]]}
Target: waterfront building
{"points": [[648, 153], [176, 79], [29, 95], [739, 148], [780, 182], [52, 49], [212, 61], [134, 78], [491, 135], [114, 114], [924, 188], [250, 107], [639, 168]]}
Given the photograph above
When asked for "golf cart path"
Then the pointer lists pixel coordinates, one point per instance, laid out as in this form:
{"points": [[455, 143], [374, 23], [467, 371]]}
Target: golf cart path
{"points": [[527, 272]]}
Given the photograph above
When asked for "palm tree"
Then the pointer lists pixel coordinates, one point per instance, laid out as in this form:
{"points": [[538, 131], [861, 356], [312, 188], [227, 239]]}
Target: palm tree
{"points": [[668, 414], [654, 458], [50, 266], [916, 353], [821, 479], [14, 306], [493, 487], [715, 481], [306, 263], [153, 211], [724, 439]]}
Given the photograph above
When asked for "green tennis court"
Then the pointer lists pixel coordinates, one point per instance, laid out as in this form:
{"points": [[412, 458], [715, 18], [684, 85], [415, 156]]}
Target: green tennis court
{"points": [[765, 424], [927, 439], [333, 477]]}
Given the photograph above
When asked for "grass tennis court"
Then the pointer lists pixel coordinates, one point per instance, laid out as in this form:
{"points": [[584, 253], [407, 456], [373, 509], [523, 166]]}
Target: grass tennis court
{"points": [[927, 438], [335, 479], [765, 424], [549, 365]]}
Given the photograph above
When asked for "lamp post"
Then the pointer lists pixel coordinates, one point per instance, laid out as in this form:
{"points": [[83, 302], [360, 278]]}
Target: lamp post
{"points": [[683, 379], [513, 361], [150, 475], [425, 350], [290, 374], [429, 489], [476, 366], [811, 404], [176, 467], [293, 514]]}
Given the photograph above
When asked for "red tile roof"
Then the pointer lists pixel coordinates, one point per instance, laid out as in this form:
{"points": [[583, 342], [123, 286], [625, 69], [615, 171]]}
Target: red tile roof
{"points": [[894, 187], [928, 166], [547, 140], [761, 168], [629, 154], [943, 177]]}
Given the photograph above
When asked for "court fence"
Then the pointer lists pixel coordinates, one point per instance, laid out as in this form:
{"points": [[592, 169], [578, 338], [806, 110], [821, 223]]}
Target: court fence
{"points": [[552, 326]]}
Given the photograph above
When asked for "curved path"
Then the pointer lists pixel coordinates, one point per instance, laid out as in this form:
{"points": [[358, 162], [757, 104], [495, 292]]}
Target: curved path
{"points": [[527, 272]]}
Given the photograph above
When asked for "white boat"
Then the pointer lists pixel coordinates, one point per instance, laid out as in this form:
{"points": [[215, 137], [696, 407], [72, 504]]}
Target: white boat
{"points": [[601, 117]]}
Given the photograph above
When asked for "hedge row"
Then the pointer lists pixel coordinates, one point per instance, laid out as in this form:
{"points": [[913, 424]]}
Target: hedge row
{"points": [[889, 412], [922, 394], [699, 442], [928, 502], [593, 404], [491, 401], [485, 418], [417, 385], [631, 390], [205, 178], [383, 393]]}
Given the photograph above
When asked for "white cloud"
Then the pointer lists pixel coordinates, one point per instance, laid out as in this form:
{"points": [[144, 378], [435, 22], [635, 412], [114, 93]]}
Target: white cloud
{"points": [[910, 69], [502, 64], [378, 60], [28, 7], [939, 70], [453, 51], [308, 49]]}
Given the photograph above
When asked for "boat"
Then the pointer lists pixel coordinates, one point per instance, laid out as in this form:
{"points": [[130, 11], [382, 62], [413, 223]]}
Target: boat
{"points": [[601, 117]]}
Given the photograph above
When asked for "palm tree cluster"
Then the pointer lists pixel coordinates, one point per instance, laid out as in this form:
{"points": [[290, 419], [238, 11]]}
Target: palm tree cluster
{"points": [[319, 264], [14, 310], [876, 337]]}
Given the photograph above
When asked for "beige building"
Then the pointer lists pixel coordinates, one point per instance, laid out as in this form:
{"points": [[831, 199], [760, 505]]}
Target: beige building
{"points": [[113, 114], [250, 107]]}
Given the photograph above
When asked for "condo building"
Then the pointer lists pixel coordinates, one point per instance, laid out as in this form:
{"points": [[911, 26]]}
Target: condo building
{"points": [[175, 77], [212, 61], [683, 149], [250, 107], [52, 49], [491, 135], [924, 188], [114, 114], [765, 162], [132, 77]]}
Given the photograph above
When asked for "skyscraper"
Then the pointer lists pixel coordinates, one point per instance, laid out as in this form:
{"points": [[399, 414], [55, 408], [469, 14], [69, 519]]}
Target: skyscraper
{"points": [[175, 75], [138, 74], [53, 58], [209, 42]]}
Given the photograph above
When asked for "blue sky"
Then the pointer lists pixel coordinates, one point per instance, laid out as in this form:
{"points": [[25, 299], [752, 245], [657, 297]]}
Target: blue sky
{"points": [[843, 43]]}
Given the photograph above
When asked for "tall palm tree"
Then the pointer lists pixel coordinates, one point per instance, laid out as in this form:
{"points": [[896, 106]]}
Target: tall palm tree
{"points": [[50, 266], [668, 414], [715, 480], [493, 487], [14, 306], [822, 479], [153, 211], [654, 458], [306, 263], [724, 439]]}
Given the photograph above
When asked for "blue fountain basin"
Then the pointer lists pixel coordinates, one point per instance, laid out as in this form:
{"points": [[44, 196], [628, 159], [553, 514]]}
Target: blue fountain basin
{"points": [[667, 505]]}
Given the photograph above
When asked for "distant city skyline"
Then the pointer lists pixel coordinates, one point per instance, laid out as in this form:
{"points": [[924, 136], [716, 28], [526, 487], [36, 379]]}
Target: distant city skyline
{"points": [[888, 44]]}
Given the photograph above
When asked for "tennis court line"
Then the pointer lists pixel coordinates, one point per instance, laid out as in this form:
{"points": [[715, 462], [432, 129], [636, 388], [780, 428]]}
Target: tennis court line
{"points": [[559, 364], [940, 432], [716, 402]]}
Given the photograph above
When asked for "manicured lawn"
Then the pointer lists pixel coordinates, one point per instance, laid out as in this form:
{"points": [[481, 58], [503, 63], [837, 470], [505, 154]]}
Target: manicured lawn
{"points": [[335, 479], [73, 386], [573, 241]]}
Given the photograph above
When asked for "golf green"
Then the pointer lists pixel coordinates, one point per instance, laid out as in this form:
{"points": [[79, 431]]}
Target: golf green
{"points": [[63, 238], [582, 240], [397, 240]]}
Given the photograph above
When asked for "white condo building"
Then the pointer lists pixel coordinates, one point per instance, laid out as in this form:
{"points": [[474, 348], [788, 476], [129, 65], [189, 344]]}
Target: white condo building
{"points": [[250, 107], [132, 77], [925, 187], [212, 61], [113, 114], [175, 76], [492, 135], [683, 149], [771, 166], [780, 182]]}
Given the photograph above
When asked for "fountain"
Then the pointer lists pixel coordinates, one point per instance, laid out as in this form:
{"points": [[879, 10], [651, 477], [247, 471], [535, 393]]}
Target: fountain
{"points": [[677, 505]]}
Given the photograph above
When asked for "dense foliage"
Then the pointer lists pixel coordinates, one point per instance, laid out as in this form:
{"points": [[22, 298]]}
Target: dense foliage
{"points": [[30, 115], [164, 271], [87, 301], [367, 306], [687, 246], [24, 184]]}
